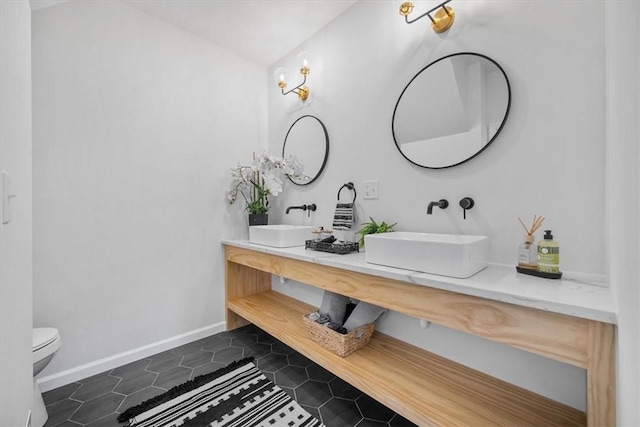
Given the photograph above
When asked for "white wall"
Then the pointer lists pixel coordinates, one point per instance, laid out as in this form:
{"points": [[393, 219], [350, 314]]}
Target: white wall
{"points": [[548, 160], [136, 125], [16, 366], [623, 195]]}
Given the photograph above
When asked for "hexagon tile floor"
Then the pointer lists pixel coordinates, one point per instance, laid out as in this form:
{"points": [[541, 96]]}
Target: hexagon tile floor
{"points": [[97, 401]]}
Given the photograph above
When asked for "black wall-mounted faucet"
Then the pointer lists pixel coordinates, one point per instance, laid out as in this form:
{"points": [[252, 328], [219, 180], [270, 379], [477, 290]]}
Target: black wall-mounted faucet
{"points": [[303, 207], [442, 204], [310, 208]]}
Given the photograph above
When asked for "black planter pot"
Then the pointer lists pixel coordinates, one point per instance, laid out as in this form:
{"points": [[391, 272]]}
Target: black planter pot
{"points": [[258, 219]]}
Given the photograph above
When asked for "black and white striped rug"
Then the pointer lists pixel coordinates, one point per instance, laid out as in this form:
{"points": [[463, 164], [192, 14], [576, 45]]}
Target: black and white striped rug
{"points": [[236, 396]]}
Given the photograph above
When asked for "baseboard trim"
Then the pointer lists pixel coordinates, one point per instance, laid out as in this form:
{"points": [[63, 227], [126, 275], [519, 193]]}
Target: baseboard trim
{"points": [[59, 379]]}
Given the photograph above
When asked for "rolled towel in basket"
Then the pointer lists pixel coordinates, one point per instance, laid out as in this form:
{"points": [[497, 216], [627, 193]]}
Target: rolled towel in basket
{"points": [[334, 305], [344, 217], [336, 327], [363, 314]]}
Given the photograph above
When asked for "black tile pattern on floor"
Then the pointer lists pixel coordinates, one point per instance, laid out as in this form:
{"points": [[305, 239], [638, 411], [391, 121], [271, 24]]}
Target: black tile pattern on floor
{"points": [[98, 400]]}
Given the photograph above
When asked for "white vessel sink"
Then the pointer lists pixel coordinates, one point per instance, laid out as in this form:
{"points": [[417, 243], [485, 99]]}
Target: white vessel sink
{"points": [[450, 255], [280, 236]]}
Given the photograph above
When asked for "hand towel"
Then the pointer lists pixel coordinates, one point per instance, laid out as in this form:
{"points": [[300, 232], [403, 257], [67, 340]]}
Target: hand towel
{"points": [[363, 314], [334, 305], [344, 217]]}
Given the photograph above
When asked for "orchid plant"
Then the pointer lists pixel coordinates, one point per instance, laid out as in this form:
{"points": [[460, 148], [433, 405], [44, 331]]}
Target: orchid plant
{"points": [[263, 178]]}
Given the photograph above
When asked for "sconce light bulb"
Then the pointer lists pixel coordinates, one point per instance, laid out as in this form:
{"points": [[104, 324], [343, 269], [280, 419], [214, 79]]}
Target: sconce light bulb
{"points": [[304, 59], [280, 77]]}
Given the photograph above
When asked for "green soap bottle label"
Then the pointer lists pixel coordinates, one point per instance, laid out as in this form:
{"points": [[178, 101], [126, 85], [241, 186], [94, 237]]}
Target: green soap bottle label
{"points": [[549, 259]]}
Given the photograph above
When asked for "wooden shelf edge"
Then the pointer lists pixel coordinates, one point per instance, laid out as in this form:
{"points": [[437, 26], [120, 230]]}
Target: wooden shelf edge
{"points": [[423, 387]]}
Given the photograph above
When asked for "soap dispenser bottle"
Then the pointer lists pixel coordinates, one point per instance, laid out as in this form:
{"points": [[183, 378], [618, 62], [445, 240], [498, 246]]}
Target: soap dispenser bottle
{"points": [[548, 254]]}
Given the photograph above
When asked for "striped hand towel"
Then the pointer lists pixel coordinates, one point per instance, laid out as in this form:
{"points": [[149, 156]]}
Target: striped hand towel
{"points": [[344, 217]]}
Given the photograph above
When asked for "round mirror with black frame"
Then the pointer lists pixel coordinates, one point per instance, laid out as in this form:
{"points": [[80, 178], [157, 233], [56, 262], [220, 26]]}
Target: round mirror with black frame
{"points": [[451, 111], [307, 139]]}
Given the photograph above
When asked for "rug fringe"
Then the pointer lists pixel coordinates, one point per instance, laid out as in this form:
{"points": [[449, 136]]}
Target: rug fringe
{"points": [[180, 389]]}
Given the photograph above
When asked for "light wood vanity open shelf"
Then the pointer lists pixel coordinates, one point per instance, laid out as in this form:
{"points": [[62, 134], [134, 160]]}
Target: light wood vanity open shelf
{"points": [[423, 387]]}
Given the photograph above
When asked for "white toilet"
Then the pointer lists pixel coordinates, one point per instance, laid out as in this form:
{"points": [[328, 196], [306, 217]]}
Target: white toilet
{"points": [[46, 341]]}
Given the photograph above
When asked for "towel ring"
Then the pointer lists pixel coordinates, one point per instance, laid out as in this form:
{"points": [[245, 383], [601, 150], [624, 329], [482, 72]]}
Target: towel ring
{"points": [[351, 187]]}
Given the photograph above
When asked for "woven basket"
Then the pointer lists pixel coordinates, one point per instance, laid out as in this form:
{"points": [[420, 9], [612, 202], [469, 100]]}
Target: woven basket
{"points": [[340, 344]]}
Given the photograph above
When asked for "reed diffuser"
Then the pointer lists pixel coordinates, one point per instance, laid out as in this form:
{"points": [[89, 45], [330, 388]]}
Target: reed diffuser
{"points": [[528, 250]]}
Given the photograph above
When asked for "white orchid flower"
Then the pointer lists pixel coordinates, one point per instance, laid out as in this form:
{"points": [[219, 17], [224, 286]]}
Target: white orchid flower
{"points": [[267, 173]]}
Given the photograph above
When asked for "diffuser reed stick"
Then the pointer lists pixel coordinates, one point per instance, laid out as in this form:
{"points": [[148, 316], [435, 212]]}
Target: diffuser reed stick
{"points": [[537, 223]]}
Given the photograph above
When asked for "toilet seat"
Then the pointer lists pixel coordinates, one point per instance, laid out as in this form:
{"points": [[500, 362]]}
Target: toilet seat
{"points": [[45, 342], [43, 337]]}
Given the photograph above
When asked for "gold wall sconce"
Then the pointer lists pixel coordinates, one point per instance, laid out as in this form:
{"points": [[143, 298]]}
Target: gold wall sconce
{"points": [[280, 76], [441, 21]]}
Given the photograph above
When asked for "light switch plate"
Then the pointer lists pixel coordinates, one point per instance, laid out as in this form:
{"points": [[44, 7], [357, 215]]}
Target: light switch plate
{"points": [[371, 189]]}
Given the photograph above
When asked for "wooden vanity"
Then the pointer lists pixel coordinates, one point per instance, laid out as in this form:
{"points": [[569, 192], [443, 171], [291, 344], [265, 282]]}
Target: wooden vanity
{"points": [[421, 386]]}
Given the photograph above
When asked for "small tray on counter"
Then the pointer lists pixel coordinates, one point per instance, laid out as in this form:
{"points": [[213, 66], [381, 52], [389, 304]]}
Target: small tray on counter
{"points": [[340, 248], [537, 273]]}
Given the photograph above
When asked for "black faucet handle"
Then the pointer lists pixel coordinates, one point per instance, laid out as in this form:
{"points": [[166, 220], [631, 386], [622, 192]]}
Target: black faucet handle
{"points": [[466, 203], [310, 208]]}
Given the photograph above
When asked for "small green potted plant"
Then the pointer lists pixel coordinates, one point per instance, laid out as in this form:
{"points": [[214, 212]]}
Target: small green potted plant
{"points": [[373, 227]]}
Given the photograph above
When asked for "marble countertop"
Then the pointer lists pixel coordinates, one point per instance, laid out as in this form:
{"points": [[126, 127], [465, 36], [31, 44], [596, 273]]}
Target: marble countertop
{"points": [[573, 296]]}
